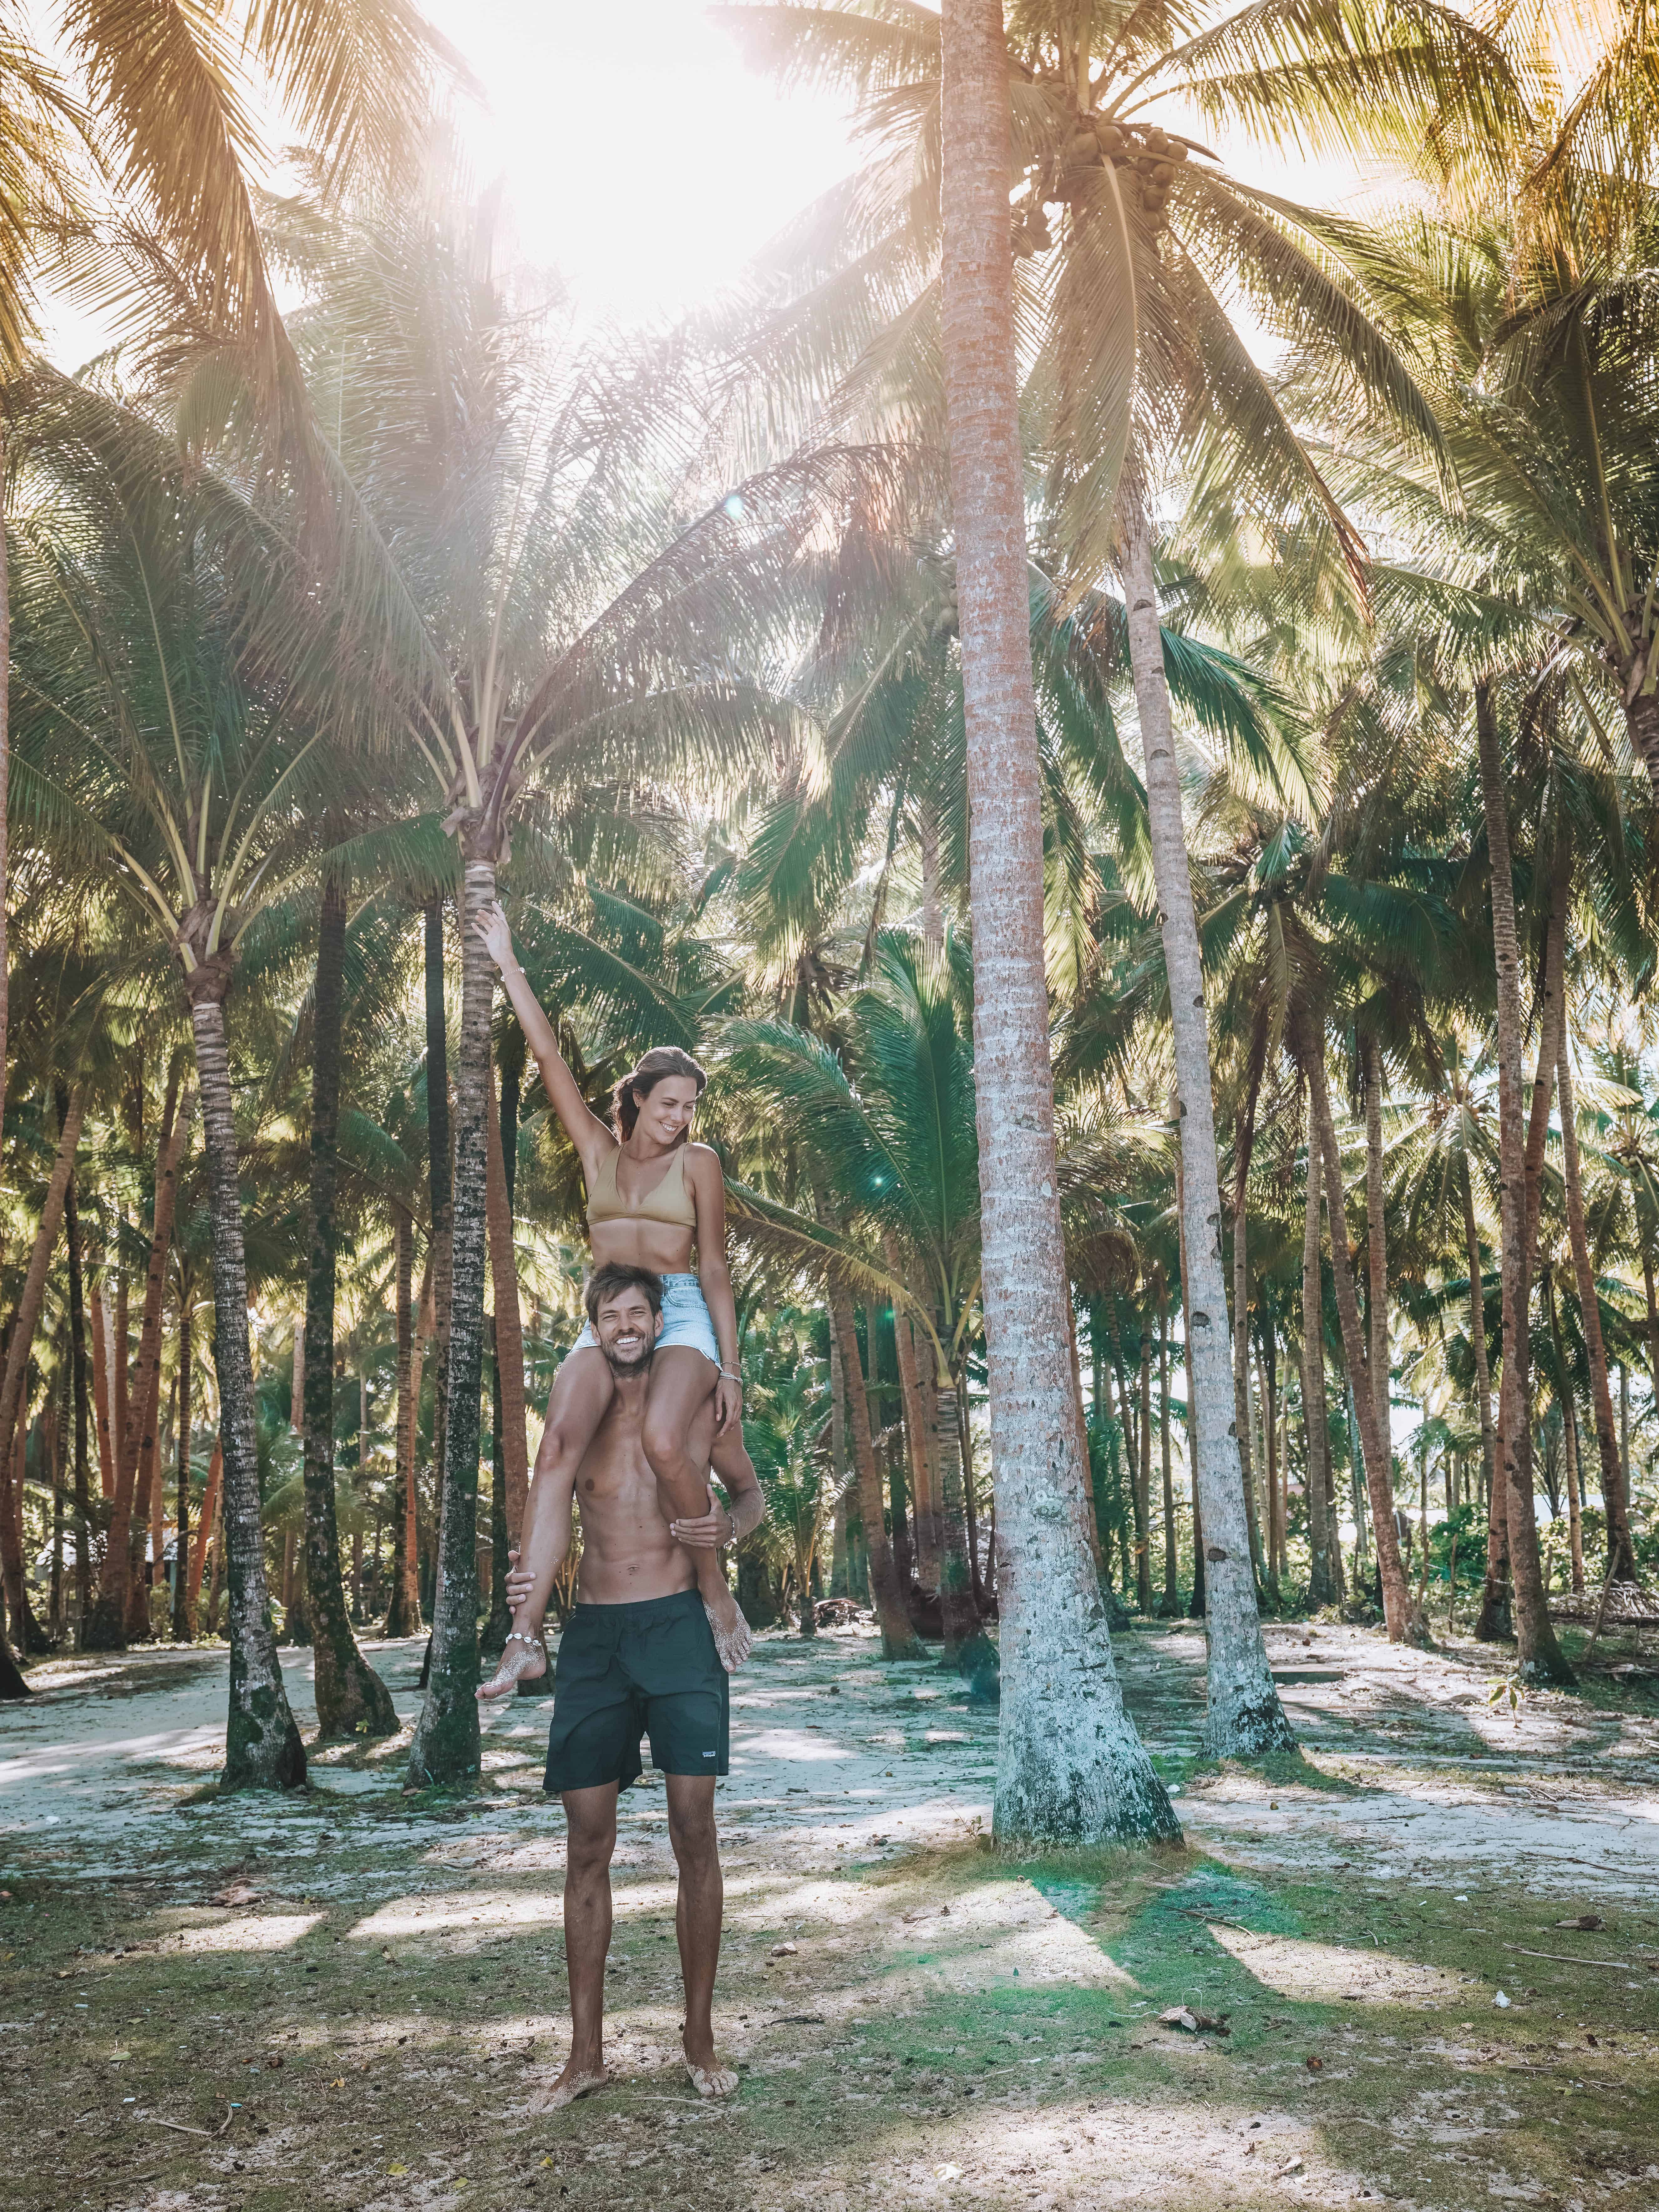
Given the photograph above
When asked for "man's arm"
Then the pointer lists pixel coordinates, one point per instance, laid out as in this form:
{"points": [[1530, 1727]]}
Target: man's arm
{"points": [[744, 1509]]}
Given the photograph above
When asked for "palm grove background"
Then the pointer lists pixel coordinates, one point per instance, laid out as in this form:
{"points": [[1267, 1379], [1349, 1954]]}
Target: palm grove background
{"points": [[365, 580]]}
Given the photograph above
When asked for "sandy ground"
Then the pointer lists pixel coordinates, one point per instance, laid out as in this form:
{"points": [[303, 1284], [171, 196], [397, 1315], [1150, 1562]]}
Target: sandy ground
{"points": [[363, 1991]]}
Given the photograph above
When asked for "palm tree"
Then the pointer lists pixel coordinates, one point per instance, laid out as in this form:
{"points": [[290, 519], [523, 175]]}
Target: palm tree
{"points": [[164, 751]]}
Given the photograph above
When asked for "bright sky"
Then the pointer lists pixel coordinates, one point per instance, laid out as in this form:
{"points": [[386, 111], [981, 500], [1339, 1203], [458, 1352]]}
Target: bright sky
{"points": [[642, 157]]}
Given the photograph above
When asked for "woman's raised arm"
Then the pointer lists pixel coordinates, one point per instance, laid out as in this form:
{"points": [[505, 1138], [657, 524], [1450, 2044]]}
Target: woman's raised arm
{"points": [[591, 1139]]}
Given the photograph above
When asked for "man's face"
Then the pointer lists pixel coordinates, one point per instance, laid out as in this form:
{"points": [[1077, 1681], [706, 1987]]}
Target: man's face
{"points": [[628, 1331]]}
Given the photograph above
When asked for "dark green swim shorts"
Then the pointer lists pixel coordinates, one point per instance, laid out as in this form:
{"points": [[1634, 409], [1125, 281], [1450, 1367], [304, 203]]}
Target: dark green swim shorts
{"points": [[627, 1670]]}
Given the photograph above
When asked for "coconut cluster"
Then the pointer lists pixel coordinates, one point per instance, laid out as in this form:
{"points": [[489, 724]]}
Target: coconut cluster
{"points": [[1145, 160]]}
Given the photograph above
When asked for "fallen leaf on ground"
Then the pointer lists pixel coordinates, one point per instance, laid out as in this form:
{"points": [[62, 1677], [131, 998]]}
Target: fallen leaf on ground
{"points": [[1291, 2166], [1585, 1920], [782, 1951], [1315, 2066]]}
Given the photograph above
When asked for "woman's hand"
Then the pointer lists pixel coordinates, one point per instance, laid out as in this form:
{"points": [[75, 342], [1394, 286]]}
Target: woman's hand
{"points": [[728, 1402], [492, 927]]}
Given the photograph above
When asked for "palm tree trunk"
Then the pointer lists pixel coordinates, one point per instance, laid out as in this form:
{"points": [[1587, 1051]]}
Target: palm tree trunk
{"points": [[958, 1612], [1143, 1478], [98, 1317], [181, 1633], [146, 1538], [1478, 1326], [440, 1188], [1170, 1603], [969, 1510], [110, 1624], [351, 1698], [262, 1744], [1399, 1609], [444, 1750], [20, 1342], [79, 1395], [1313, 1381], [501, 1134], [898, 1637], [1621, 1553], [924, 1520], [1538, 1652], [403, 1612], [1563, 1392], [1243, 1717], [5, 784], [204, 1531], [1070, 1765], [1377, 1234], [1241, 1415]]}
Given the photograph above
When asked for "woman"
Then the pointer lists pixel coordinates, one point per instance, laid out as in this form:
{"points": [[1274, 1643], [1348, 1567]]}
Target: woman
{"points": [[652, 1196]]}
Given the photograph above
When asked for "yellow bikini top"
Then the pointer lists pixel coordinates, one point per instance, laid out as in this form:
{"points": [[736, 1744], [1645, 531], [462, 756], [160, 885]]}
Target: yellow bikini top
{"points": [[668, 1201]]}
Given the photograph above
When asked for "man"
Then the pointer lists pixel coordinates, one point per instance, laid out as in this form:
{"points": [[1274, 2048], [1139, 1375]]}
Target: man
{"points": [[638, 1656]]}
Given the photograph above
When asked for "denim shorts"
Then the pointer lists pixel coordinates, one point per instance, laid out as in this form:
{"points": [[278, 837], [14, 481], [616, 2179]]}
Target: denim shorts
{"points": [[686, 1320]]}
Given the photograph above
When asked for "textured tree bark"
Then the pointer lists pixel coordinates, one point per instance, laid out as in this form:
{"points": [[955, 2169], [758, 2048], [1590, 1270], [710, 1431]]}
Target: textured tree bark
{"points": [[184, 1628], [1478, 1328], [1400, 1607], [1315, 1417], [1244, 1715], [262, 1744], [146, 1538], [351, 1698], [1170, 1603], [930, 1563], [1569, 1443], [501, 1132], [1538, 1651], [20, 1342], [204, 1528], [956, 1610], [122, 1576], [898, 1637], [403, 1612], [79, 1398], [1621, 1552], [440, 1181], [1144, 1479], [99, 1320], [1241, 1419], [445, 1749], [1376, 1235], [5, 785], [1070, 1765]]}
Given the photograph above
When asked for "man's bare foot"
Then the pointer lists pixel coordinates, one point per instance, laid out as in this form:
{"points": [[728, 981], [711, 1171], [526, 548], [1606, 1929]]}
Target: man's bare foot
{"points": [[734, 1639], [523, 1659], [712, 2080], [574, 2082]]}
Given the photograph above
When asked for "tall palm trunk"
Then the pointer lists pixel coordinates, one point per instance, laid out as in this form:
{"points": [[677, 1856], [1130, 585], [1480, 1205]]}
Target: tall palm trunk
{"points": [[1478, 1326], [1314, 1418], [1537, 1650], [1241, 1415], [262, 1744], [20, 1342], [501, 1136], [898, 1637], [204, 1531], [1070, 1763], [1144, 1478], [1377, 1234], [1244, 1715], [110, 1624], [1563, 1394], [445, 1749], [351, 1698], [917, 1442], [1400, 1607], [79, 1395], [439, 1184], [5, 781], [1621, 1553], [98, 1315], [1170, 1603], [182, 1631], [958, 1607], [404, 1613]]}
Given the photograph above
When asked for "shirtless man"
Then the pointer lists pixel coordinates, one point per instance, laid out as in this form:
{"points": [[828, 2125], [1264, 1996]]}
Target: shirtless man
{"points": [[637, 1658]]}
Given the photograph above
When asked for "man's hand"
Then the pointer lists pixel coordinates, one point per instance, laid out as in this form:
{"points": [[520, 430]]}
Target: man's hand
{"points": [[708, 1533], [519, 1583]]}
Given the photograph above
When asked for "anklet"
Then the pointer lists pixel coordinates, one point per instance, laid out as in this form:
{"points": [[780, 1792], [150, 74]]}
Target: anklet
{"points": [[517, 1635]]}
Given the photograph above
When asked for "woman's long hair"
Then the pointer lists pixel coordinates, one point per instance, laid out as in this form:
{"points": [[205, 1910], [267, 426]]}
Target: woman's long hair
{"points": [[662, 1059]]}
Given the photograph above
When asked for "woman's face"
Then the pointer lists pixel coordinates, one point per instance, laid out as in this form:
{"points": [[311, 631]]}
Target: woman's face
{"points": [[667, 1109]]}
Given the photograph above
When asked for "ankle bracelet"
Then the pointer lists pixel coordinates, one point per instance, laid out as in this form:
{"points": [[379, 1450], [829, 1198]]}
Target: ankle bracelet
{"points": [[517, 1635]]}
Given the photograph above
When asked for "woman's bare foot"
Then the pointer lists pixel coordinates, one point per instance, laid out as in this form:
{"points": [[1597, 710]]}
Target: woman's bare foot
{"points": [[575, 2081], [707, 2076], [523, 1659], [734, 1639]]}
